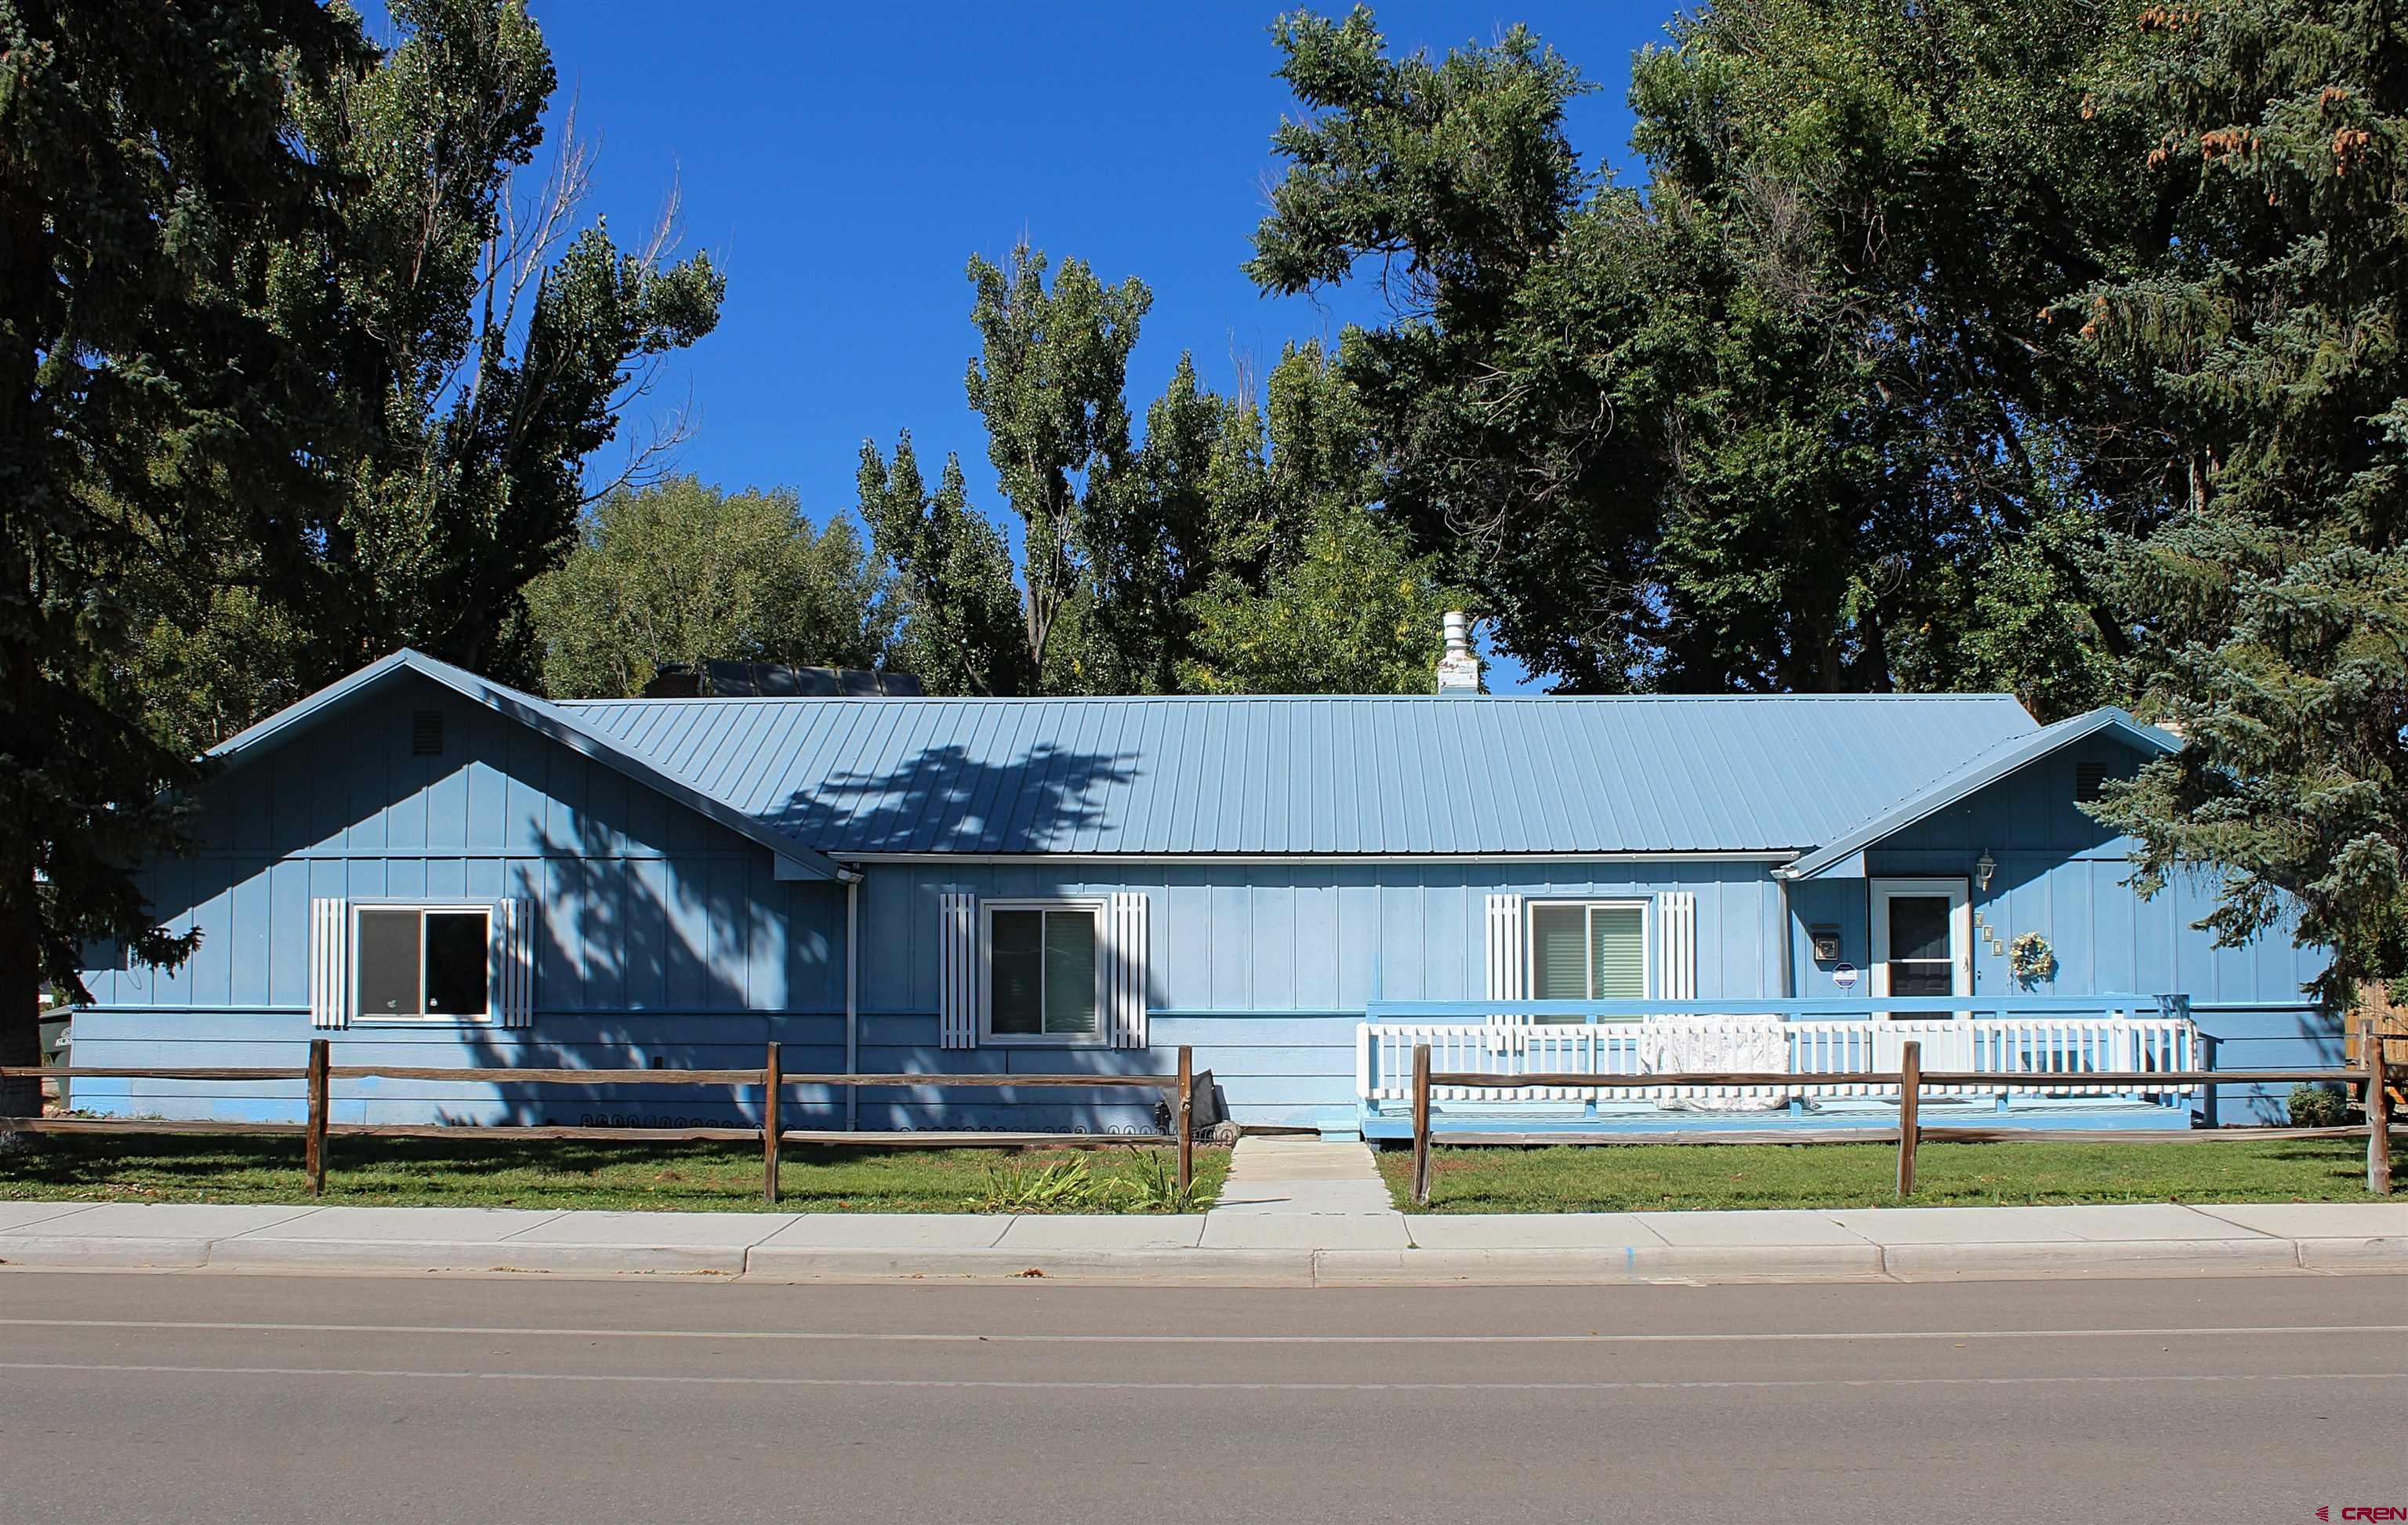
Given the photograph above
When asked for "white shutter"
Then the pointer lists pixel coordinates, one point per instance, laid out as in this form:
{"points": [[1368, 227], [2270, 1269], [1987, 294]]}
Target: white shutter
{"points": [[957, 965], [330, 969], [1505, 970], [1125, 971], [1676, 945], [517, 947]]}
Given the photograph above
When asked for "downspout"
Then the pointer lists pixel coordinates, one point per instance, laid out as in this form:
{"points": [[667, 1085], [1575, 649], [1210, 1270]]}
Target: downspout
{"points": [[852, 1002]]}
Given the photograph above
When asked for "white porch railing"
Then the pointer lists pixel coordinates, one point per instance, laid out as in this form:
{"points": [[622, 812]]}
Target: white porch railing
{"points": [[2030, 1056]]}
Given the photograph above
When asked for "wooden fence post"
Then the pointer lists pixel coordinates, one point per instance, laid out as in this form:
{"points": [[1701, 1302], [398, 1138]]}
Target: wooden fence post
{"points": [[2378, 1114], [313, 1148], [1421, 1126], [1910, 1110], [773, 1128], [1183, 1117]]}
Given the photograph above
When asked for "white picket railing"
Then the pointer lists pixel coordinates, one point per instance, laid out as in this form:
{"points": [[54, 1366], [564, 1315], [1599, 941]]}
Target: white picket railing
{"points": [[2031, 1055]]}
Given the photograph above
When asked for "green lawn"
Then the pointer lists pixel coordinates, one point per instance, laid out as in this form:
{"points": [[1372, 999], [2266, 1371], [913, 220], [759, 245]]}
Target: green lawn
{"points": [[1667, 1176], [678, 1177]]}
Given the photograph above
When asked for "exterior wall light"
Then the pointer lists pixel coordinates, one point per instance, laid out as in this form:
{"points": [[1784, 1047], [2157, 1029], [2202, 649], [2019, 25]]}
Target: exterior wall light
{"points": [[1985, 867]]}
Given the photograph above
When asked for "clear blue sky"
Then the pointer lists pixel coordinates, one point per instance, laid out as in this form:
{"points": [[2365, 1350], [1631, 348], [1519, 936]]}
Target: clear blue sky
{"points": [[844, 162]]}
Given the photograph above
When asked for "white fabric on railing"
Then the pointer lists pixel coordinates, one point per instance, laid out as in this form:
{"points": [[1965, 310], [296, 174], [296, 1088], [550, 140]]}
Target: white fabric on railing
{"points": [[1689, 1045]]}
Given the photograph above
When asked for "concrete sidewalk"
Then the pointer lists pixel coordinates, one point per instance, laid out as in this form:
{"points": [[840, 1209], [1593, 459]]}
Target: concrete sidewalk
{"points": [[1230, 1247]]}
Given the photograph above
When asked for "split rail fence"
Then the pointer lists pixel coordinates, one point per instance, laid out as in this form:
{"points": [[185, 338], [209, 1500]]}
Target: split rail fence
{"points": [[1911, 1080], [771, 1135]]}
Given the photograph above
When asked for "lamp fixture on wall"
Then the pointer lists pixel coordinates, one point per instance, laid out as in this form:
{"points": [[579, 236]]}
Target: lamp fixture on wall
{"points": [[1983, 868]]}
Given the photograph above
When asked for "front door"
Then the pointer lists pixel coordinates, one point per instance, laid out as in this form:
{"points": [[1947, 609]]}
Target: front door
{"points": [[1922, 938], [1923, 946]]}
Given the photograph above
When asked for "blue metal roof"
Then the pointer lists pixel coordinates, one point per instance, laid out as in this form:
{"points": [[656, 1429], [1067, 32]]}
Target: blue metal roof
{"points": [[1978, 774], [1502, 774]]}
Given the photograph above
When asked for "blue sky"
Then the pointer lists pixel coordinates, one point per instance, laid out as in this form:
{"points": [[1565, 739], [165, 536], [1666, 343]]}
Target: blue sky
{"points": [[844, 162]]}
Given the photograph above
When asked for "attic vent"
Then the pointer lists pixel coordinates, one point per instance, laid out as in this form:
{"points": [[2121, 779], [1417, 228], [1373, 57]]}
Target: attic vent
{"points": [[426, 734], [2088, 778]]}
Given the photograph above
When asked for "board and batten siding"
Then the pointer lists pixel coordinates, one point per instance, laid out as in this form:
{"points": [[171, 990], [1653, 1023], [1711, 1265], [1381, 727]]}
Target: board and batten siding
{"points": [[659, 935], [1263, 968], [2063, 875]]}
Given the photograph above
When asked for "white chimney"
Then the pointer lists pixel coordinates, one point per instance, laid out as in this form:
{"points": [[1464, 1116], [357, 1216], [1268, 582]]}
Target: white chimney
{"points": [[1458, 670]]}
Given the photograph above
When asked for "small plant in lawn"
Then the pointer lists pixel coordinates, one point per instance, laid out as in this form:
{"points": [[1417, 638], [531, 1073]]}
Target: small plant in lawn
{"points": [[1156, 1187], [1064, 1185]]}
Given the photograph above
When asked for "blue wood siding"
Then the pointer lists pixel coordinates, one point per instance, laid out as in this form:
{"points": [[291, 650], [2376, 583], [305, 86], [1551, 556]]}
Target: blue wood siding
{"points": [[663, 936], [2063, 875]]}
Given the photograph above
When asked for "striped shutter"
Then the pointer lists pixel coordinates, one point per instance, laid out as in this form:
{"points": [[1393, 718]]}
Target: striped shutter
{"points": [[1505, 978], [1676, 945], [957, 964], [516, 937], [1125, 971], [330, 927]]}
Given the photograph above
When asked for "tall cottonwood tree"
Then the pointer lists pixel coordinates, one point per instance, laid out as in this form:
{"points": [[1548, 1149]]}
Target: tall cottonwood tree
{"points": [[1772, 424], [150, 415], [1049, 378], [485, 343]]}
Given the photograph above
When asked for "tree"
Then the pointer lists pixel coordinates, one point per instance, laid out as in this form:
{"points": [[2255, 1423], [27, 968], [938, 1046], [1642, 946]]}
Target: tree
{"points": [[483, 347], [1768, 425], [682, 572], [2273, 605], [1130, 547], [1350, 610], [962, 629], [148, 415], [1048, 382]]}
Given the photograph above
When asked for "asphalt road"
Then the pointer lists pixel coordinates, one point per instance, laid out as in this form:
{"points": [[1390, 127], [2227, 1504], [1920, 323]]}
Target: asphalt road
{"points": [[227, 1398]]}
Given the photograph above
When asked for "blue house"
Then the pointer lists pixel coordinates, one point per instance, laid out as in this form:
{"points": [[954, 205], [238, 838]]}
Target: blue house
{"points": [[428, 868]]}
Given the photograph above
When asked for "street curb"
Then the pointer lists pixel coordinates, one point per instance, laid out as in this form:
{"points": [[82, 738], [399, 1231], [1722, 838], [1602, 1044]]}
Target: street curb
{"points": [[2354, 1254], [471, 1255], [1601, 1265], [2022, 1260], [1196, 1266], [1202, 1265], [103, 1250]]}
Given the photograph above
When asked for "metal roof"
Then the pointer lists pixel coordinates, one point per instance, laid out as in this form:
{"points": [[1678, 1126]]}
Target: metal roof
{"points": [[1978, 774], [1502, 774]]}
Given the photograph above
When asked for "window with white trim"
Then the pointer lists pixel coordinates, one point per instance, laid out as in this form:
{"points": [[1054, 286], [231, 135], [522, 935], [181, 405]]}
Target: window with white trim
{"points": [[1043, 961], [1587, 950], [430, 962]]}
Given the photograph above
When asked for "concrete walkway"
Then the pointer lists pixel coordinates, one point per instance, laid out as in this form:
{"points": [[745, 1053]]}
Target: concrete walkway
{"points": [[1292, 1193], [1300, 1228]]}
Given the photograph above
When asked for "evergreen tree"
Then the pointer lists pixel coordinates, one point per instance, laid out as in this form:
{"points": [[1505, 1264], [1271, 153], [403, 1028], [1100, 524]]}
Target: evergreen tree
{"points": [[2273, 605], [149, 416]]}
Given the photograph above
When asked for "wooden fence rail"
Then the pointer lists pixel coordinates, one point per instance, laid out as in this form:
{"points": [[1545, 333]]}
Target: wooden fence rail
{"points": [[1911, 1078], [772, 1135]]}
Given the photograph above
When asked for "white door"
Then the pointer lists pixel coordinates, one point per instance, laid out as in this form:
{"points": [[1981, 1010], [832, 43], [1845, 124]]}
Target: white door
{"points": [[1923, 946], [1922, 938]]}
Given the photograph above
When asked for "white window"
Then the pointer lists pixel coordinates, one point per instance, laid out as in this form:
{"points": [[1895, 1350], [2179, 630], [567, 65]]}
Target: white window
{"points": [[434, 962], [1043, 962], [1588, 950]]}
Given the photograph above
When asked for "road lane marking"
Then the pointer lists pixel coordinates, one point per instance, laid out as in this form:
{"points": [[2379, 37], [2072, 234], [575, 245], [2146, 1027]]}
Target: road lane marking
{"points": [[837, 1336], [1039, 1385]]}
